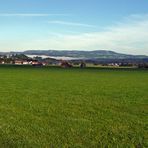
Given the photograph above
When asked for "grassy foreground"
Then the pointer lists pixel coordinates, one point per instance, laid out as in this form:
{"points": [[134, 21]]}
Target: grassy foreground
{"points": [[54, 107]]}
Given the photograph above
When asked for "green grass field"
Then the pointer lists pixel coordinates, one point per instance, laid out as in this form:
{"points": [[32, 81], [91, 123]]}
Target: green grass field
{"points": [[54, 107]]}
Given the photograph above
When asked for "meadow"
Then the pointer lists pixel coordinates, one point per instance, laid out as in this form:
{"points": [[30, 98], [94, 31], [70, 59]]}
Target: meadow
{"points": [[55, 107]]}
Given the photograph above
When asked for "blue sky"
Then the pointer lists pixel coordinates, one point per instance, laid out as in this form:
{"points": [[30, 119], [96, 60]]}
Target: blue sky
{"points": [[118, 25]]}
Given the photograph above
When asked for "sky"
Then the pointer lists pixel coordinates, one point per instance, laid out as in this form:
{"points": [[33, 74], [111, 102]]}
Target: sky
{"points": [[117, 25]]}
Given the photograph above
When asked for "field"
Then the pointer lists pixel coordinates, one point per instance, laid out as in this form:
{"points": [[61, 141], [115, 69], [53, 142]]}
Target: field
{"points": [[54, 107]]}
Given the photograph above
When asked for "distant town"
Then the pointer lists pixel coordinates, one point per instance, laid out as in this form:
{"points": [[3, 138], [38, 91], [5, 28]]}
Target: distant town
{"points": [[67, 62]]}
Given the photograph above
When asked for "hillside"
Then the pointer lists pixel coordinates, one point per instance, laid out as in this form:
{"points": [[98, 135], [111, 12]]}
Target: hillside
{"points": [[84, 54]]}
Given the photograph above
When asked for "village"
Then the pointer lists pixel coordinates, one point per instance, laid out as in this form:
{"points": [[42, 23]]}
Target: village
{"points": [[21, 59], [38, 61]]}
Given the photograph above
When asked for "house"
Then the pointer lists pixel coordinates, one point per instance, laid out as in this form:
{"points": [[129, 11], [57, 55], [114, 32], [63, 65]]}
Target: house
{"points": [[114, 64], [26, 62], [44, 63], [36, 64], [2, 62], [18, 62], [65, 64]]}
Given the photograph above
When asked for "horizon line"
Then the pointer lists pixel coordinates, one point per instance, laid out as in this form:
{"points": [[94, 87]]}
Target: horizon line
{"points": [[75, 50]]}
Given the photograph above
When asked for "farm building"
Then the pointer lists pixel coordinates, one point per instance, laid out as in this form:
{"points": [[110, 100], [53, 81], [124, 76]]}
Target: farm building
{"points": [[18, 62], [65, 64]]}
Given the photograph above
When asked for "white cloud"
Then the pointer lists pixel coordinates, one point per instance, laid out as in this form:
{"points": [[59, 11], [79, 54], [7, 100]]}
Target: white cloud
{"points": [[127, 36], [71, 24]]}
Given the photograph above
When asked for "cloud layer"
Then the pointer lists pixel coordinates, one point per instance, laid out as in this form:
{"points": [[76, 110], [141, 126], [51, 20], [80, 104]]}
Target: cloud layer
{"points": [[71, 24], [127, 36]]}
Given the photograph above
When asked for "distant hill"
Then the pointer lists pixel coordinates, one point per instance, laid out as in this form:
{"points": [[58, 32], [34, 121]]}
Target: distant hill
{"points": [[96, 54], [102, 54]]}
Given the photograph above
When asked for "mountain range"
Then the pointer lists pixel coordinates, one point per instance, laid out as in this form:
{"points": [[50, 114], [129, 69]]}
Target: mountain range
{"points": [[96, 54], [103, 54]]}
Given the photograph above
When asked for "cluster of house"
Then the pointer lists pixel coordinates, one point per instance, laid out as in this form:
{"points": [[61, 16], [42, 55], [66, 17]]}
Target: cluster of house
{"points": [[29, 62], [37, 61], [114, 64], [23, 62]]}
